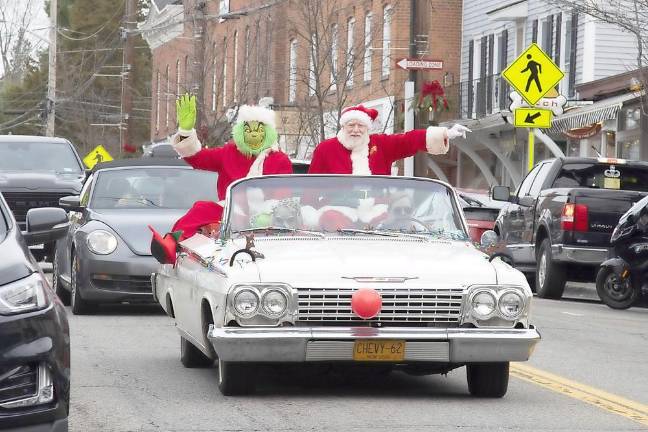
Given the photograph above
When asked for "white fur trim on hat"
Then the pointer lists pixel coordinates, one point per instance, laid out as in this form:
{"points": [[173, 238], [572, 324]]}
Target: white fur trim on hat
{"points": [[310, 217], [368, 210], [356, 115], [436, 140], [186, 144], [256, 169], [264, 115]]}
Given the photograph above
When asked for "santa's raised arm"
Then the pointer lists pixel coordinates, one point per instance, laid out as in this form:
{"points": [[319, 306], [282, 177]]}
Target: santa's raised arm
{"points": [[355, 151]]}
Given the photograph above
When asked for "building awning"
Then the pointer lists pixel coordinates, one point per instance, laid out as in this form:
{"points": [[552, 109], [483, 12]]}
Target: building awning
{"points": [[606, 109]]}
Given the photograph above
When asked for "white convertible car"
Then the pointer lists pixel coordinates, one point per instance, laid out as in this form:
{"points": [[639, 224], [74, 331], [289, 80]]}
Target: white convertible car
{"points": [[346, 269]]}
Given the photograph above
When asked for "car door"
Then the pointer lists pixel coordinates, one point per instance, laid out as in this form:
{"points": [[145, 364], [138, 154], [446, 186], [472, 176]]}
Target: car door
{"points": [[76, 220], [513, 228], [528, 205]]}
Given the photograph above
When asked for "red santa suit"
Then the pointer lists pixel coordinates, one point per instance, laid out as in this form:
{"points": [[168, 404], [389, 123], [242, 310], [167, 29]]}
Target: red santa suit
{"points": [[376, 153]]}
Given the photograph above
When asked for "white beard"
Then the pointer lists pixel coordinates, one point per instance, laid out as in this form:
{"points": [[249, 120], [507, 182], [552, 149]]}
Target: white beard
{"points": [[359, 147]]}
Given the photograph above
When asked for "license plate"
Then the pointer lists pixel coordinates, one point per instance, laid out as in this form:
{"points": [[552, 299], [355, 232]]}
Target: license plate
{"points": [[379, 350]]}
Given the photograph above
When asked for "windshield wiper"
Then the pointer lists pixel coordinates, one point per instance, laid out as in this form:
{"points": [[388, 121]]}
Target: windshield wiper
{"points": [[382, 233], [281, 229]]}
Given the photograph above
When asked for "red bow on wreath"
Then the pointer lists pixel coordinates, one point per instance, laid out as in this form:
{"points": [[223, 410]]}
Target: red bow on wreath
{"points": [[431, 92]]}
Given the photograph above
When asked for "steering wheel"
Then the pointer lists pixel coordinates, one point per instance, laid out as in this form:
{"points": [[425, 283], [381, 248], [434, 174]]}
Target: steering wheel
{"points": [[395, 221]]}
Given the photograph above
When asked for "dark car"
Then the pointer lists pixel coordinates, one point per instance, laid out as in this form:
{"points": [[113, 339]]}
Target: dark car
{"points": [[160, 150], [34, 333], [36, 171], [106, 256], [480, 211]]}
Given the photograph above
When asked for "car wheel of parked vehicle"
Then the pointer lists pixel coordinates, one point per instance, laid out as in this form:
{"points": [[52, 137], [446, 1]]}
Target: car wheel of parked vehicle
{"points": [[60, 291], [79, 305], [235, 378], [550, 276], [488, 379], [192, 357], [613, 292]]}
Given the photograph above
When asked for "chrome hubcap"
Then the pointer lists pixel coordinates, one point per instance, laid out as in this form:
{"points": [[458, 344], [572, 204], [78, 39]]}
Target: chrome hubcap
{"points": [[220, 371], [542, 269]]}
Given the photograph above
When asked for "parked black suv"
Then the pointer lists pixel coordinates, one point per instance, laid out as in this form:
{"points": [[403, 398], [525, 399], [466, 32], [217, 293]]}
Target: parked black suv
{"points": [[35, 172], [34, 333]]}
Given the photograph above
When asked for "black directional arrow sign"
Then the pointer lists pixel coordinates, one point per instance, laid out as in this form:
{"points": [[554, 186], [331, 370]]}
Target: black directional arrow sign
{"points": [[533, 118]]}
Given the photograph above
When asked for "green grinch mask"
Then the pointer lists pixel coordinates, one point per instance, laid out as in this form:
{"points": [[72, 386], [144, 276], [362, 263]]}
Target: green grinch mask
{"points": [[252, 137]]}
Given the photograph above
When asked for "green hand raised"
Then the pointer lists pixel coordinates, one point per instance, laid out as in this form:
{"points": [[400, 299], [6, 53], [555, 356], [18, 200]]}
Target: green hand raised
{"points": [[186, 112]]}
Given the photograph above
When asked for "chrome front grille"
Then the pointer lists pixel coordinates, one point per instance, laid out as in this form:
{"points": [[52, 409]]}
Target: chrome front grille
{"points": [[332, 306]]}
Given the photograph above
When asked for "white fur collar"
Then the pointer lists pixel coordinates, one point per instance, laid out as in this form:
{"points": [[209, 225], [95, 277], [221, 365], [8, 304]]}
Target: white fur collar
{"points": [[257, 166], [359, 154]]}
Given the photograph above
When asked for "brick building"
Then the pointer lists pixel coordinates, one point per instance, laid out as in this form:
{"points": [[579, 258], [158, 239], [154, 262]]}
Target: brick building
{"points": [[307, 58]]}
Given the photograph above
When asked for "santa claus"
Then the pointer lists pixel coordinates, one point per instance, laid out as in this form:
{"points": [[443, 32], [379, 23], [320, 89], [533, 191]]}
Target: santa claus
{"points": [[253, 151], [354, 151]]}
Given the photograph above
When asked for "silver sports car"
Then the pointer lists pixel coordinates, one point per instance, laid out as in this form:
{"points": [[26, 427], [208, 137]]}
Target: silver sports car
{"points": [[106, 255]]}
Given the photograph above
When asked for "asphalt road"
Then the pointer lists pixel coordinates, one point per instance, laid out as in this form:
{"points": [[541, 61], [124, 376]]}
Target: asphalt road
{"points": [[127, 376]]}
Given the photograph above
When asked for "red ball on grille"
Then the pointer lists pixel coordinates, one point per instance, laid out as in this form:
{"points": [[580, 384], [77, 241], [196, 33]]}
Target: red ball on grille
{"points": [[366, 303]]}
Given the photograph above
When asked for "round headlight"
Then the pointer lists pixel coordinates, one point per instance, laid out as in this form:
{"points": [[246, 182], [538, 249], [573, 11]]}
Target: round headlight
{"points": [[246, 302], [274, 303], [511, 304], [102, 242], [483, 304]]}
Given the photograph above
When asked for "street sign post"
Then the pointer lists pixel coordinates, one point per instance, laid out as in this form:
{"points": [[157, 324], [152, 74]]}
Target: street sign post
{"points": [[532, 118], [419, 64], [97, 155], [533, 74]]}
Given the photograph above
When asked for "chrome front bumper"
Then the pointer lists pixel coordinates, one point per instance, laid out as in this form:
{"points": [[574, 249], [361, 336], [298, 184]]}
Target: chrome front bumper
{"points": [[305, 344], [580, 255]]}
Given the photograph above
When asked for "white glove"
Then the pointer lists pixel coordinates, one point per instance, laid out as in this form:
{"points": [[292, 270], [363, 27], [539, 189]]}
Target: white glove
{"points": [[457, 131]]}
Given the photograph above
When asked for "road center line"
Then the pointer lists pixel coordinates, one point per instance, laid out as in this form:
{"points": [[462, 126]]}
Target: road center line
{"points": [[607, 401]]}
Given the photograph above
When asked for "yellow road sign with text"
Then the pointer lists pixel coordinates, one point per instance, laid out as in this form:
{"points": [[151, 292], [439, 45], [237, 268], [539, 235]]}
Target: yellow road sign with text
{"points": [[97, 155], [533, 74], [532, 118]]}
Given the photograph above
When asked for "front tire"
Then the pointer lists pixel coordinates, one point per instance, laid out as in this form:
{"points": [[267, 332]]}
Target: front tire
{"points": [[78, 305], [489, 380], [613, 292], [60, 291], [192, 357], [550, 276], [235, 378]]}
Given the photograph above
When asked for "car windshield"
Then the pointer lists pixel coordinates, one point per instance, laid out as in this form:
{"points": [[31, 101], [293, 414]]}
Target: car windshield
{"points": [[350, 205], [38, 156], [603, 176], [159, 187]]}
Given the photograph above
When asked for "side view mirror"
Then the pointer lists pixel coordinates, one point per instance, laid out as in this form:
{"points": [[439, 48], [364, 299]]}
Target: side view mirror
{"points": [[45, 225], [71, 202], [501, 193], [488, 239]]}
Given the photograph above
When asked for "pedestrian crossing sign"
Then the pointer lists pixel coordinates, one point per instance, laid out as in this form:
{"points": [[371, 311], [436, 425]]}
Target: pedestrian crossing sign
{"points": [[97, 155], [533, 74]]}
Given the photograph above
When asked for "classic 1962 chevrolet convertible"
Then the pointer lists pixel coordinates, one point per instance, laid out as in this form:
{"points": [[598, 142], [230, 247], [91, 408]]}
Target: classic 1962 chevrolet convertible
{"points": [[346, 269]]}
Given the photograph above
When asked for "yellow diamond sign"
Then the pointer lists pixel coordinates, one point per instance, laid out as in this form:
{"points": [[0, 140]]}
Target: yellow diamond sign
{"points": [[533, 74], [532, 118], [97, 155]]}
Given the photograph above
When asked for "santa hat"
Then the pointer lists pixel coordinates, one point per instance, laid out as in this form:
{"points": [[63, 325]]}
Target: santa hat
{"points": [[364, 115], [261, 114]]}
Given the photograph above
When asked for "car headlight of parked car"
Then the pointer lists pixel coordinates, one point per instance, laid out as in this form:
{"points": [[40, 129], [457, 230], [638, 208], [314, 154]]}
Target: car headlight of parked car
{"points": [[24, 295], [101, 242], [259, 304], [496, 305]]}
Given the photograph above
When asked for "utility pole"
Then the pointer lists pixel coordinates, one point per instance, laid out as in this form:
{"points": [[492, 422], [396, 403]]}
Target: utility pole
{"points": [[410, 88], [199, 28], [51, 76], [127, 77]]}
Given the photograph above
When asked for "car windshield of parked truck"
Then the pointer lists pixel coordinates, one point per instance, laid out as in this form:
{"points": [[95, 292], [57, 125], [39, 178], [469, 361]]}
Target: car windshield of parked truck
{"points": [[603, 176], [158, 187], [38, 156], [350, 205]]}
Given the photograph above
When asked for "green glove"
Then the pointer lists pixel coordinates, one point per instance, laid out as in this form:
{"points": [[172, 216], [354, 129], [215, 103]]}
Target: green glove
{"points": [[186, 112]]}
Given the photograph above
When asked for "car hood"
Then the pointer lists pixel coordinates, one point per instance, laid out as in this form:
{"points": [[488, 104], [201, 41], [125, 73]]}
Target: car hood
{"points": [[306, 263], [132, 225], [16, 261], [40, 181]]}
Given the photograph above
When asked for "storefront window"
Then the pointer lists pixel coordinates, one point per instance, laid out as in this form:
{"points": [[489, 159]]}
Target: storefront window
{"points": [[630, 149]]}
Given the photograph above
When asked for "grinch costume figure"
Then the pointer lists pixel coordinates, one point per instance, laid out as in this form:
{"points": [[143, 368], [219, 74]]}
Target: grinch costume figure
{"points": [[355, 151], [253, 151]]}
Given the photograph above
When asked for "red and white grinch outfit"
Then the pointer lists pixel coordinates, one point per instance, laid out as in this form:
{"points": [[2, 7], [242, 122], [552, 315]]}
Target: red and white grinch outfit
{"points": [[228, 161], [377, 152]]}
